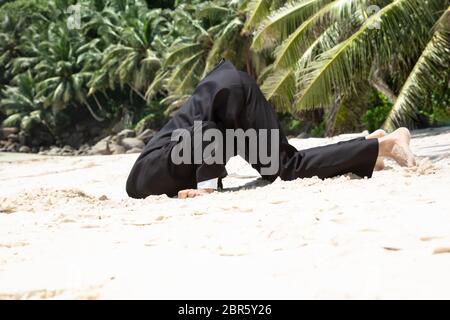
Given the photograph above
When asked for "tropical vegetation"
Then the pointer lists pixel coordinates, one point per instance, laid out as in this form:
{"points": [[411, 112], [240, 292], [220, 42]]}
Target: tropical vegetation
{"points": [[327, 66]]}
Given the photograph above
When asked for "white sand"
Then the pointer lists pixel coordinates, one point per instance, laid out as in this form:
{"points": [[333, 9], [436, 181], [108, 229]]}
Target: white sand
{"points": [[68, 230]]}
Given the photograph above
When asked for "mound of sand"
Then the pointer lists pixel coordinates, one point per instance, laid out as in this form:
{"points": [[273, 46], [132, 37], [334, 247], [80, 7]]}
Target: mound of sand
{"points": [[68, 230]]}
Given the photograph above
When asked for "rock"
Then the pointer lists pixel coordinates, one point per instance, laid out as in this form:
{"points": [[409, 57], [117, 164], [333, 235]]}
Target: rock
{"points": [[117, 148], [146, 135], [134, 150], [116, 139], [4, 132], [13, 137], [131, 143], [126, 133], [54, 151], [43, 150], [101, 147], [12, 147], [67, 150], [22, 138], [84, 147], [24, 149], [107, 138], [118, 127]]}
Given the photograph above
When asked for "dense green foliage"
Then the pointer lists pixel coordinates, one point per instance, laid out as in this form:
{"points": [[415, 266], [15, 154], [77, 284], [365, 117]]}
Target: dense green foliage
{"points": [[375, 117], [324, 48], [135, 61]]}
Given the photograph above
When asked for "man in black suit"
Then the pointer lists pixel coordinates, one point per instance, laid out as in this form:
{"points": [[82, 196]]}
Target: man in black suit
{"points": [[229, 99]]}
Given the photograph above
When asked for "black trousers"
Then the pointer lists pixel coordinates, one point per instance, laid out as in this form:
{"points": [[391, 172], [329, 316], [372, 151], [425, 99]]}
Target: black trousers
{"points": [[239, 104]]}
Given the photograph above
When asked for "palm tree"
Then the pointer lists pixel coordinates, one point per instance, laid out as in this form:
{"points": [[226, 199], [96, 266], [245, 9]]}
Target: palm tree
{"points": [[20, 99], [129, 59], [432, 65], [10, 44], [322, 48], [65, 67], [18, 53], [207, 32]]}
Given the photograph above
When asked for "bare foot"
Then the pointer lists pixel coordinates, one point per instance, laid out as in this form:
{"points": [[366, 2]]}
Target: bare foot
{"points": [[396, 146], [192, 193], [379, 165], [380, 133]]}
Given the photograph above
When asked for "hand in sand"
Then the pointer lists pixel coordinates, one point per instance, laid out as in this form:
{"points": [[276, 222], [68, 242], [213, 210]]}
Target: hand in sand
{"points": [[192, 193]]}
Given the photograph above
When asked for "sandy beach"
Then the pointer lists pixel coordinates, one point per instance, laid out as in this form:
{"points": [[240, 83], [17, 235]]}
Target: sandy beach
{"points": [[68, 230]]}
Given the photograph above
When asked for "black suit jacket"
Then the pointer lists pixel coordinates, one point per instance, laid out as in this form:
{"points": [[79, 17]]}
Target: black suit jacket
{"points": [[215, 100]]}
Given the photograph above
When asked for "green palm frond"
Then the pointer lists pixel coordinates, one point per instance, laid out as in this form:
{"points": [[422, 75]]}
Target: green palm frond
{"points": [[326, 41], [265, 73], [99, 81], [212, 11], [222, 43], [157, 84], [21, 97], [334, 69], [183, 68], [192, 21], [284, 21], [174, 102], [180, 52], [190, 79], [148, 69], [433, 65], [256, 10], [290, 51], [280, 89]]}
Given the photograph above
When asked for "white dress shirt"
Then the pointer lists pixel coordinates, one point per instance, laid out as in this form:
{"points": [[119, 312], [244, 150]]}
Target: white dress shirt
{"points": [[208, 184]]}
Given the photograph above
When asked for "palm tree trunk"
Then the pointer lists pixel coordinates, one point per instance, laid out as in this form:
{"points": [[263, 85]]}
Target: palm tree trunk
{"points": [[93, 114], [381, 86], [331, 115], [137, 92], [377, 81], [97, 102]]}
